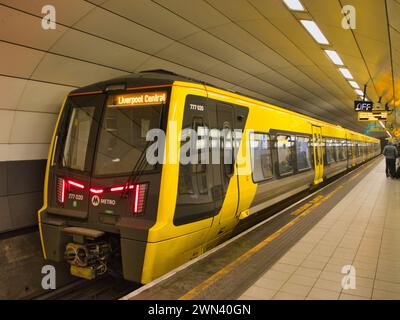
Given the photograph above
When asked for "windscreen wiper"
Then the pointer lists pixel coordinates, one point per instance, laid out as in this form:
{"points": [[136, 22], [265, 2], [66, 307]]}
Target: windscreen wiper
{"points": [[137, 170]]}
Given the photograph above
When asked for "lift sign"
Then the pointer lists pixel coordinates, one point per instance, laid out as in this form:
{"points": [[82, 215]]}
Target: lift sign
{"points": [[137, 99], [365, 106]]}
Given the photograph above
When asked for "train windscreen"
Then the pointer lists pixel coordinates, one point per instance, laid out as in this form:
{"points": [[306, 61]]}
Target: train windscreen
{"points": [[122, 139]]}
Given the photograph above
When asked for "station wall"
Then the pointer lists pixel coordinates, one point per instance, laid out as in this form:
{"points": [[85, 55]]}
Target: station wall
{"points": [[99, 40]]}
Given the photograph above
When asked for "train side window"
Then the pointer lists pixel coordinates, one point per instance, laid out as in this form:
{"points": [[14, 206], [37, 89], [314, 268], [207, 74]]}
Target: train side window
{"points": [[193, 176], [337, 149], [76, 144], [303, 153], [227, 151], [261, 157], [330, 152], [349, 149], [284, 145], [343, 150]]}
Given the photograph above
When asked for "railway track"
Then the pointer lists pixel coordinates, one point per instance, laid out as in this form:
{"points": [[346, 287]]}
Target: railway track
{"points": [[105, 288]]}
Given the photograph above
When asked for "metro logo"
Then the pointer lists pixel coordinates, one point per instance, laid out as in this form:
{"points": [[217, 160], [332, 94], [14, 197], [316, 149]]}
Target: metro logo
{"points": [[95, 201]]}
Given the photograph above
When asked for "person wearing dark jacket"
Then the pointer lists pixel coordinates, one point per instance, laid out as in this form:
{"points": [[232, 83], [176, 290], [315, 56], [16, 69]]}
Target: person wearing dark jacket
{"points": [[390, 152]]}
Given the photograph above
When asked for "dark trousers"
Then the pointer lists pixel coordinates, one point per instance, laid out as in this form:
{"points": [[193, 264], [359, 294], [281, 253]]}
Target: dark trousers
{"points": [[390, 167]]}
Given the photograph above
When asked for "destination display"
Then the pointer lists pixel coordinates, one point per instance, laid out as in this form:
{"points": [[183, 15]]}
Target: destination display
{"points": [[373, 116], [366, 106], [137, 99]]}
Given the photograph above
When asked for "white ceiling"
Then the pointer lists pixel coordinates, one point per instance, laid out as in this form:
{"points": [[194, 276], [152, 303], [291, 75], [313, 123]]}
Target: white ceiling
{"points": [[257, 47]]}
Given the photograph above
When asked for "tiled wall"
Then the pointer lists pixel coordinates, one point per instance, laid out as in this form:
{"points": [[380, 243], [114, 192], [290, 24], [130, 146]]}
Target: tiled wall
{"points": [[92, 43], [21, 187]]}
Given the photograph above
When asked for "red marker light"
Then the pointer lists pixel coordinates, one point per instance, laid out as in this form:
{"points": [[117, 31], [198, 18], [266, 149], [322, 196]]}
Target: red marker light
{"points": [[136, 206], [63, 191], [96, 191], [117, 189], [139, 198], [76, 184], [60, 190]]}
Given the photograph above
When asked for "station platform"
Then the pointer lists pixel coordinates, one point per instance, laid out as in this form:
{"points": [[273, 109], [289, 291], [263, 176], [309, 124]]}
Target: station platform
{"points": [[300, 252]]}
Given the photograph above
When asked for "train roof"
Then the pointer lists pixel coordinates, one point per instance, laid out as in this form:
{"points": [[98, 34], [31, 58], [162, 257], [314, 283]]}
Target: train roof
{"points": [[160, 77], [142, 79]]}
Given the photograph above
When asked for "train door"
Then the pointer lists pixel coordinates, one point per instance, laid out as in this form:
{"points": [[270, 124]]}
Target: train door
{"points": [[225, 123], [318, 154], [198, 183]]}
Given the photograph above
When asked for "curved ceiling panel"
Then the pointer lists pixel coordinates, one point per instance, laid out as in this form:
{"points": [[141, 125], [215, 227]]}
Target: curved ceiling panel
{"points": [[253, 46]]}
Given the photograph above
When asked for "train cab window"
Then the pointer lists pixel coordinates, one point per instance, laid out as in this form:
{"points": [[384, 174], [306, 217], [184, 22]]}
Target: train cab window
{"points": [[261, 156], [284, 146], [303, 153], [77, 140]]}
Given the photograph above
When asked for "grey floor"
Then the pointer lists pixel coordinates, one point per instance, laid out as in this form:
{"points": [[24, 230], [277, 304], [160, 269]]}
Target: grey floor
{"points": [[363, 231]]}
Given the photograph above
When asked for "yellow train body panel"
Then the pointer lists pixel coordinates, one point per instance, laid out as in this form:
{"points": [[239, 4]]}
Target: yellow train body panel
{"points": [[175, 245], [169, 242]]}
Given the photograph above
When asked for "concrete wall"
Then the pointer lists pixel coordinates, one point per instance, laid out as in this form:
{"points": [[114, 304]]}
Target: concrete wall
{"points": [[21, 186]]}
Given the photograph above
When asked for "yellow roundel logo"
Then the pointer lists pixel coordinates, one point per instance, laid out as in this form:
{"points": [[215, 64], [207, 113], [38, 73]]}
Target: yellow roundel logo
{"points": [[95, 200]]}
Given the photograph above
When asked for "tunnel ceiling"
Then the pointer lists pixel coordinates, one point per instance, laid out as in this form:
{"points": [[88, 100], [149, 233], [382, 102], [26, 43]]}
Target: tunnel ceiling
{"points": [[257, 47]]}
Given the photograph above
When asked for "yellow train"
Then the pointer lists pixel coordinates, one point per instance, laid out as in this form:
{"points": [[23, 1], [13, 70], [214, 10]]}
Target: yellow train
{"points": [[106, 206]]}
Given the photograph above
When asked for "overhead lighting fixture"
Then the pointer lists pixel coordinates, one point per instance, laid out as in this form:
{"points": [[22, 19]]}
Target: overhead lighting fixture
{"points": [[294, 5], [333, 55], [389, 134], [382, 125], [315, 31], [360, 92], [346, 73], [355, 85]]}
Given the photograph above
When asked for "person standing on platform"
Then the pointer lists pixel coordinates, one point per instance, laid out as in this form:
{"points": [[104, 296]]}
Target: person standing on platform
{"points": [[390, 152]]}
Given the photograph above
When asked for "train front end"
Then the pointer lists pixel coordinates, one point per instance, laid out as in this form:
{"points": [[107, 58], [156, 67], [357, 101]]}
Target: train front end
{"points": [[101, 192]]}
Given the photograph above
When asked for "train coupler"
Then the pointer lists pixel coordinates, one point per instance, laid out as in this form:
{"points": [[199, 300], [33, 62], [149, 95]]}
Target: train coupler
{"points": [[89, 260]]}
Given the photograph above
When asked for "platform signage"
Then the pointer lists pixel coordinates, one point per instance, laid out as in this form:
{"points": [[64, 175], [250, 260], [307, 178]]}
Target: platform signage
{"points": [[372, 116], [137, 99], [365, 106]]}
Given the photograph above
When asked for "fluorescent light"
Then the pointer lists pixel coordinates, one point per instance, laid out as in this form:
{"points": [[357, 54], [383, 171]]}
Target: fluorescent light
{"points": [[315, 31], [389, 134], [382, 125], [360, 92], [332, 54], [346, 73], [294, 5], [355, 85]]}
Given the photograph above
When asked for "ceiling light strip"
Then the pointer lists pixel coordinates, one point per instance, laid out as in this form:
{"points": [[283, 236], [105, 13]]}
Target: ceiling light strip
{"points": [[294, 5], [319, 37], [315, 31]]}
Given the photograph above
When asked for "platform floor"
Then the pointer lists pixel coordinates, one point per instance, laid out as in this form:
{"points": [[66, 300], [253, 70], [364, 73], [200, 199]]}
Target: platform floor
{"points": [[362, 230], [299, 253]]}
